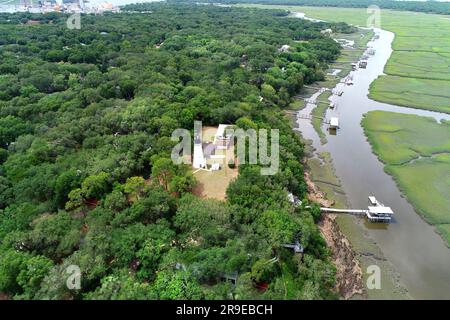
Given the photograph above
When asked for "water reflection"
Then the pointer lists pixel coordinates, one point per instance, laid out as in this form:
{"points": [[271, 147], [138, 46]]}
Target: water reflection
{"points": [[413, 247]]}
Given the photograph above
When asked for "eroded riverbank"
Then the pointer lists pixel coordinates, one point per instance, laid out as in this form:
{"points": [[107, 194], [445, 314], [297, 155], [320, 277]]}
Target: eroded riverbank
{"points": [[352, 247], [422, 261], [353, 250]]}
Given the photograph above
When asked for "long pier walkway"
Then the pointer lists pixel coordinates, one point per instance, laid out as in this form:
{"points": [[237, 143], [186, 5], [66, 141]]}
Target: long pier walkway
{"points": [[350, 211], [376, 212]]}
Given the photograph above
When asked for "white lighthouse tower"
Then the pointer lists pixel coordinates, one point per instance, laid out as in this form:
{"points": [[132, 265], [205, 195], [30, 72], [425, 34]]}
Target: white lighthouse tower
{"points": [[199, 158]]}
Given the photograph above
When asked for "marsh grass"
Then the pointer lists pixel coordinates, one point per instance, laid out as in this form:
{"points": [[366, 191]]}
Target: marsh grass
{"points": [[416, 152], [319, 111], [418, 72]]}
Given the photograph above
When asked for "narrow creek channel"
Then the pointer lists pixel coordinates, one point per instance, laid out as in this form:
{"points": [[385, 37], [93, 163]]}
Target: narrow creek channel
{"points": [[409, 243]]}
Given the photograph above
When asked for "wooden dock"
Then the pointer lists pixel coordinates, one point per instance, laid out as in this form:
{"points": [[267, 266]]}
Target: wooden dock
{"points": [[310, 117], [355, 212], [376, 211], [315, 88]]}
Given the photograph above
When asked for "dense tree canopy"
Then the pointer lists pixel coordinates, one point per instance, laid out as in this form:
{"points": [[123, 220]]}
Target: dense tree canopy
{"points": [[85, 172]]}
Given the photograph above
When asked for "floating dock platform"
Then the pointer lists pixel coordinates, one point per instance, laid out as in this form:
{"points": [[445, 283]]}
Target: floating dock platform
{"points": [[375, 212]]}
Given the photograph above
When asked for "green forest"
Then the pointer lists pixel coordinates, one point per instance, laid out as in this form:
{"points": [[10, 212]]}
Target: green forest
{"points": [[86, 177], [429, 6]]}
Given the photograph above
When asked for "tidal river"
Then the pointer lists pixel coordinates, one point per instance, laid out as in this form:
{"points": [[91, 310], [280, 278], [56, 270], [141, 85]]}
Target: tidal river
{"points": [[409, 243]]}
